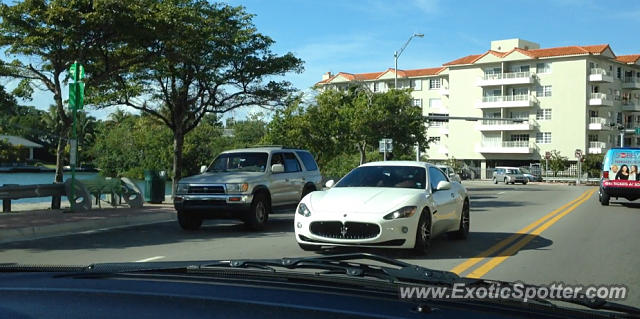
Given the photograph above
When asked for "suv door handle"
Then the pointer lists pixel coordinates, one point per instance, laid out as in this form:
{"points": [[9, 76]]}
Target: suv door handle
{"points": [[453, 195]]}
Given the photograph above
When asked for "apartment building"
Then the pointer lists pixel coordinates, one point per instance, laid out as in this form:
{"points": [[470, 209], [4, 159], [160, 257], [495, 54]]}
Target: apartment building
{"points": [[567, 98]]}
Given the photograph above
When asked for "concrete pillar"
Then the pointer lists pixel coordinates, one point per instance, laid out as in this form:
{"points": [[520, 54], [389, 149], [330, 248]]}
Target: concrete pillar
{"points": [[483, 170]]}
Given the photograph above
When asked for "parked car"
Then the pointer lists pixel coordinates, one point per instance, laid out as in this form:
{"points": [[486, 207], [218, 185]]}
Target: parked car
{"points": [[530, 174], [246, 184], [394, 204], [620, 177], [448, 170], [508, 175]]}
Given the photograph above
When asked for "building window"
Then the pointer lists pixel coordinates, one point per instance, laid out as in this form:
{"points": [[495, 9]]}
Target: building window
{"points": [[435, 139], [520, 137], [543, 114], [543, 90], [593, 137], [416, 85], [619, 73], [543, 68], [434, 83], [435, 103], [617, 95], [376, 87], [416, 102], [543, 138]]}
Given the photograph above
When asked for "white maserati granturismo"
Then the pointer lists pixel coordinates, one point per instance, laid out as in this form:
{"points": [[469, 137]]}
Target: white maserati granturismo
{"points": [[395, 204]]}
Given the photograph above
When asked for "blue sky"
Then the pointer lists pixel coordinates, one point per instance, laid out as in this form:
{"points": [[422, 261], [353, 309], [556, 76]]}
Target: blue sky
{"points": [[361, 35]]}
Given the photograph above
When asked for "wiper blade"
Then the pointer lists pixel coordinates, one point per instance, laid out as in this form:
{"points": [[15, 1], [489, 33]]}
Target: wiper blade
{"points": [[391, 269]]}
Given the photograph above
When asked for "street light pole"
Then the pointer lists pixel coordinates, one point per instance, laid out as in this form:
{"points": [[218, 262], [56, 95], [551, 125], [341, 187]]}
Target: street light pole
{"points": [[397, 54]]}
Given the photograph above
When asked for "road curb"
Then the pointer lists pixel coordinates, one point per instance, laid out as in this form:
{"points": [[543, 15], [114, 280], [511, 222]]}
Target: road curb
{"points": [[39, 232]]}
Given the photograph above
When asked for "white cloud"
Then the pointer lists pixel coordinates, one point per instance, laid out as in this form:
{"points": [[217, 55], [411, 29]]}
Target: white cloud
{"points": [[427, 6]]}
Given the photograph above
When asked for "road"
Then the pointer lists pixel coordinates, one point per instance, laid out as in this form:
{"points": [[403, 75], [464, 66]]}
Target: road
{"points": [[538, 234]]}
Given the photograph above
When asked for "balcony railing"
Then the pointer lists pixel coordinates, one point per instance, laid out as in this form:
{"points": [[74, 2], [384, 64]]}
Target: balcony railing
{"points": [[506, 147], [597, 145], [506, 98], [507, 144], [598, 71], [505, 122], [600, 75], [631, 83], [597, 120], [507, 78], [600, 96], [508, 75]]}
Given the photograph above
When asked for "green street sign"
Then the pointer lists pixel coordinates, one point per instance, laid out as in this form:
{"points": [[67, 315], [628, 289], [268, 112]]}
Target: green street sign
{"points": [[75, 67], [76, 95], [637, 130]]}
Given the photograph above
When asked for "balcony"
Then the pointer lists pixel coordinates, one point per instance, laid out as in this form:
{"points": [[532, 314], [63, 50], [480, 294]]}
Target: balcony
{"points": [[506, 147], [444, 91], [498, 101], [600, 99], [597, 147], [630, 106], [505, 79], [600, 75], [502, 125], [631, 83], [599, 124]]}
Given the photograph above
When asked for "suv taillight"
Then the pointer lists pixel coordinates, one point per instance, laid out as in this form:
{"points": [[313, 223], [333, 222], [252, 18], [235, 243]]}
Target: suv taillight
{"points": [[605, 174]]}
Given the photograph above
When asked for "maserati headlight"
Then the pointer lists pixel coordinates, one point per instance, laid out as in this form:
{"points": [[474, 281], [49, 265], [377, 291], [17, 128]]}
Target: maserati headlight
{"points": [[237, 188], [403, 212], [303, 210], [182, 189]]}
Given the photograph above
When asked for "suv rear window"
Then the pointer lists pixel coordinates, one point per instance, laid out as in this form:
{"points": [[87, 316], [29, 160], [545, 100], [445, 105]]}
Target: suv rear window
{"points": [[307, 160]]}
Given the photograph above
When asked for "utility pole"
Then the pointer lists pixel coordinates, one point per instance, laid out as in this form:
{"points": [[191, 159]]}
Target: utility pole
{"points": [[397, 54]]}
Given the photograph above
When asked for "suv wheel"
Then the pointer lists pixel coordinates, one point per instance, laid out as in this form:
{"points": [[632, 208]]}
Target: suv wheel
{"points": [[495, 180], [604, 198], [259, 212], [306, 191], [463, 228], [188, 221]]}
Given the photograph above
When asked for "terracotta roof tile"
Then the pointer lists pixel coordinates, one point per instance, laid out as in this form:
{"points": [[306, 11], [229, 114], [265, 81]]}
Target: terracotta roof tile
{"points": [[631, 58], [537, 53]]}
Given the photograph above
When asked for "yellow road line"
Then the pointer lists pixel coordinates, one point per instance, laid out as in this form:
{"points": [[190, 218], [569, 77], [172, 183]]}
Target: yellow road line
{"points": [[495, 248], [495, 261]]}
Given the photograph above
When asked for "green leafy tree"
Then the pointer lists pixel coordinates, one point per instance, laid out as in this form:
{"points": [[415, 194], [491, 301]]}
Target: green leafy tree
{"points": [[557, 162], [44, 37], [201, 58], [593, 164]]}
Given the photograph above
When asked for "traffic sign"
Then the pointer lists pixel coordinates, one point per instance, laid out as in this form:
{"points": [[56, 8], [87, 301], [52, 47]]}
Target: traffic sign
{"points": [[547, 155], [76, 71], [76, 95], [578, 153], [385, 145]]}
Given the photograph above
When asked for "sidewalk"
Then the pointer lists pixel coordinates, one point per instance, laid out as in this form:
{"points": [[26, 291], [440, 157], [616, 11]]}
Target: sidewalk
{"points": [[42, 223]]}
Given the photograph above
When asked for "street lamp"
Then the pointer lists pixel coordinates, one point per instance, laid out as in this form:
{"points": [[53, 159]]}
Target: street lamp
{"points": [[396, 55]]}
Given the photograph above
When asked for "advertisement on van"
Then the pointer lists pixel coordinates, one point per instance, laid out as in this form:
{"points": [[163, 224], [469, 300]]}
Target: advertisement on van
{"points": [[620, 168]]}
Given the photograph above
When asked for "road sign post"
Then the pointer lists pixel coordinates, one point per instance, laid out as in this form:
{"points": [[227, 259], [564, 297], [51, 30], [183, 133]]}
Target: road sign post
{"points": [[76, 100], [385, 145], [547, 156], [578, 155]]}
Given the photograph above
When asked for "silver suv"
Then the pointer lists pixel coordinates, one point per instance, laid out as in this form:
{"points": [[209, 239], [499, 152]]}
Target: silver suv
{"points": [[509, 175], [246, 184]]}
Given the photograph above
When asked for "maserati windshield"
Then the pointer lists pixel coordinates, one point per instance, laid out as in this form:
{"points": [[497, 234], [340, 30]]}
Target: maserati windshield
{"points": [[385, 176]]}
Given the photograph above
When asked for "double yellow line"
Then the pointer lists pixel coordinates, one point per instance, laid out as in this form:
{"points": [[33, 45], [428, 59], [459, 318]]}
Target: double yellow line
{"points": [[525, 235]]}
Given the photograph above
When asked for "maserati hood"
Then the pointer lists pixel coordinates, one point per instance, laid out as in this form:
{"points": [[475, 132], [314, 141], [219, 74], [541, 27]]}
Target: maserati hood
{"points": [[363, 199]]}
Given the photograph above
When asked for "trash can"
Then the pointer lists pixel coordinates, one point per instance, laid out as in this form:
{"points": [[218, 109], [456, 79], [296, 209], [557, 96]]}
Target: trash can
{"points": [[154, 185]]}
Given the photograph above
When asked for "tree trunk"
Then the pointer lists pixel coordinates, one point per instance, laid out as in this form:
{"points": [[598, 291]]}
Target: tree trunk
{"points": [[59, 158], [363, 152], [178, 142]]}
